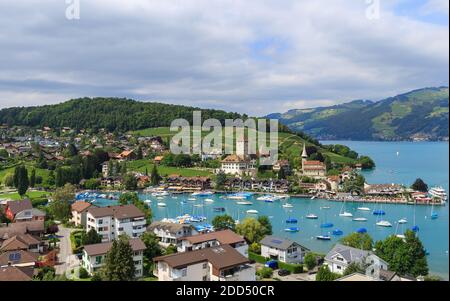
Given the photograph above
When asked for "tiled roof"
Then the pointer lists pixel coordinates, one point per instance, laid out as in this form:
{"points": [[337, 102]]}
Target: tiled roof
{"points": [[224, 237], [11, 273], [80, 206], [119, 212], [102, 248], [18, 257], [171, 227], [278, 243], [17, 206]]}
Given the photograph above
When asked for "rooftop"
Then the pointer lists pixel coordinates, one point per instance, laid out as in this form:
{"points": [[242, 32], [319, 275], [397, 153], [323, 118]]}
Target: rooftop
{"points": [[225, 237], [102, 248], [277, 242], [119, 212]]}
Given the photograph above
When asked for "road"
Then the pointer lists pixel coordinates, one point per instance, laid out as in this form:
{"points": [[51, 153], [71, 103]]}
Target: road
{"points": [[66, 259]]}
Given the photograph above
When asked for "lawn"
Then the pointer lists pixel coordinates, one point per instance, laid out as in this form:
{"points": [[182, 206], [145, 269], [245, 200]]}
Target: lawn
{"points": [[145, 164], [39, 172], [30, 194]]}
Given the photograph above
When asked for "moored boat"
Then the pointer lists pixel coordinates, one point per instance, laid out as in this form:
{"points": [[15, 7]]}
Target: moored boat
{"points": [[252, 211], [312, 216], [323, 237], [360, 219], [287, 205], [384, 224], [292, 229], [363, 208]]}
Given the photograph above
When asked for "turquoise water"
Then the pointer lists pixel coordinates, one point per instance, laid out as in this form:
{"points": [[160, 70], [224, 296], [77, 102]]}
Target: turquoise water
{"points": [[426, 160]]}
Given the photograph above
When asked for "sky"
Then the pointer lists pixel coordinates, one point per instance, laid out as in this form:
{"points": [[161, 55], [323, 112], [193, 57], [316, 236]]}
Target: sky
{"points": [[247, 56]]}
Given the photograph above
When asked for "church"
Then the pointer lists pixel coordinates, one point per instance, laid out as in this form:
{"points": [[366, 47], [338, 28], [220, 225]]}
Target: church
{"points": [[313, 169]]}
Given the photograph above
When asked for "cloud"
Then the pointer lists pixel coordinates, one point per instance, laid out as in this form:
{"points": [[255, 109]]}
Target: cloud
{"points": [[249, 56]]}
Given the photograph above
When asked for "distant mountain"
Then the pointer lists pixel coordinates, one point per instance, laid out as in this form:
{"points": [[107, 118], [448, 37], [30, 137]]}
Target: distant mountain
{"points": [[419, 114]]}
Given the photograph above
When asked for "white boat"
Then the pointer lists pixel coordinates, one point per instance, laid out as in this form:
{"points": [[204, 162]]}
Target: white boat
{"points": [[202, 193], [346, 214], [312, 216], [265, 197], [360, 219], [162, 193], [401, 236], [313, 197], [198, 205], [325, 207], [209, 201], [288, 206], [244, 203], [160, 198], [252, 211], [192, 199], [323, 237], [148, 201], [162, 204], [237, 197], [363, 209], [403, 221], [384, 224], [438, 192]]}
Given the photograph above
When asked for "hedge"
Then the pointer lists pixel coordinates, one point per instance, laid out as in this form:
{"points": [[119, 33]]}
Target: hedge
{"points": [[42, 201], [293, 268], [75, 240]]}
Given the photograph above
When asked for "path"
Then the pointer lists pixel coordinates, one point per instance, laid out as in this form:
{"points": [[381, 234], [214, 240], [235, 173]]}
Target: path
{"points": [[66, 259]]}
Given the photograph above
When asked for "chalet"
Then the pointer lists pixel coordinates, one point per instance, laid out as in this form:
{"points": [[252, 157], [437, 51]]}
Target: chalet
{"points": [[24, 242], [35, 228], [220, 263], [19, 211], [170, 233], [112, 182], [127, 155], [157, 160], [283, 249]]}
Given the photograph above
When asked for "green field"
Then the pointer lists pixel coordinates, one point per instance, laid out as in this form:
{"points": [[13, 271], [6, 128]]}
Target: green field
{"points": [[30, 194], [145, 164], [39, 172]]}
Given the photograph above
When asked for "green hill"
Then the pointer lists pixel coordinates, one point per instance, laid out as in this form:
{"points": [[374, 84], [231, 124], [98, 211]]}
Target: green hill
{"points": [[421, 113]]}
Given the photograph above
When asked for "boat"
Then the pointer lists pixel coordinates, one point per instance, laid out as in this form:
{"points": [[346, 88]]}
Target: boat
{"points": [[192, 199], [287, 205], [240, 196], [360, 219], [219, 209], [245, 203], [252, 211], [148, 201], [326, 225], [346, 214], [438, 192], [378, 212], [202, 193], [312, 216], [323, 237], [160, 198], [384, 224], [291, 221], [313, 197], [363, 209], [338, 232], [198, 205], [265, 197], [292, 229], [415, 229], [433, 214], [325, 207], [361, 230], [402, 221], [401, 236], [162, 204], [209, 200], [162, 193]]}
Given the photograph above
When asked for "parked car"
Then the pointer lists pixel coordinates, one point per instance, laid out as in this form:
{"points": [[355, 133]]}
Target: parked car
{"points": [[273, 264], [283, 272]]}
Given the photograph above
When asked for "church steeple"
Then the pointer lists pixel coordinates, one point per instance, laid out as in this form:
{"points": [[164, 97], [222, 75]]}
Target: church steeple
{"points": [[304, 153]]}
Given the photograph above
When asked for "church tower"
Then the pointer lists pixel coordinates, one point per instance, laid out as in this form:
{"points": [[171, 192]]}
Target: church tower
{"points": [[304, 155], [242, 148]]}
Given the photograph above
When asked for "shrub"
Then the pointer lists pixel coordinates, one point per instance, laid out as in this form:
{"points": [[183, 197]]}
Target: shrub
{"points": [[310, 261], [265, 272], [257, 258], [255, 248], [42, 201], [293, 268], [83, 273]]}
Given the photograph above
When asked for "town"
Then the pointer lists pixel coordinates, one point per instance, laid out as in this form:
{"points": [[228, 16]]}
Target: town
{"points": [[70, 209]]}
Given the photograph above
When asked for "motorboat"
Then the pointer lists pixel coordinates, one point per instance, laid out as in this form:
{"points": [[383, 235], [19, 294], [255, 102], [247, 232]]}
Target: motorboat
{"points": [[378, 212], [360, 219], [192, 199], [323, 237], [338, 232], [288, 205], [198, 205], [326, 225], [312, 216], [363, 208], [162, 204], [245, 203], [403, 221], [209, 200], [219, 209], [361, 230], [252, 211], [292, 229], [291, 221], [346, 214], [161, 193], [325, 207], [384, 224], [148, 201], [202, 193]]}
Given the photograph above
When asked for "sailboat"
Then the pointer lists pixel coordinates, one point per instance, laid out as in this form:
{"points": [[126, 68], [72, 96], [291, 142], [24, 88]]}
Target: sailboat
{"points": [[311, 215], [415, 228], [363, 208], [402, 221], [433, 214], [287, 205], [345, 213], [360, 219], [384, 223]]}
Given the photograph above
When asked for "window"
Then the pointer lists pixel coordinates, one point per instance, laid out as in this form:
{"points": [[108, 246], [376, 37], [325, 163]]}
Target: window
{"points": [[100, 221], [98, 259], [205, 266], [205, 278], [184, 272], [338, 267]]}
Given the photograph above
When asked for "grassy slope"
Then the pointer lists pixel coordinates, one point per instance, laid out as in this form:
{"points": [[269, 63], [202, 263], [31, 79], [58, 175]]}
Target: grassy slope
{"points": [[142, 165], [30, 195]]}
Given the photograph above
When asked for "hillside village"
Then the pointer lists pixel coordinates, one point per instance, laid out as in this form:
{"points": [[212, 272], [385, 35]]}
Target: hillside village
{"points": [[49, 230]]}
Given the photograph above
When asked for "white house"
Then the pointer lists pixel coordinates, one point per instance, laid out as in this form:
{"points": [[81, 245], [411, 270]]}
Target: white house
{"points": [[79, 213], [282, 249], [170, 233], [340, 257], [221, 263], [112, 221], [213, 239], [94, 256]]}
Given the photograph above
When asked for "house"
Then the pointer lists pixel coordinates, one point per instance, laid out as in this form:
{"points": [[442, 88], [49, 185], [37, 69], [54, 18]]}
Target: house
{"points": [[79, 213], [383, 189], [340, 257], [112, 221], [212, 239], [36, 215], [179, 183], [12, 273], [384, 275], [20, 258], [94, 256], [220, 263], [24, 242], [170, 233], [127, 155], [314, 169], [358, 277], [237, 165], [282, 249], [23, 208], [35, 228], [282, 164], [157, 160], [112, 182]]}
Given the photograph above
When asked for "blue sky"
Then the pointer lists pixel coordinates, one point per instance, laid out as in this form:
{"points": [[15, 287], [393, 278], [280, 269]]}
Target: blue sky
{"points": [[248, 56]]}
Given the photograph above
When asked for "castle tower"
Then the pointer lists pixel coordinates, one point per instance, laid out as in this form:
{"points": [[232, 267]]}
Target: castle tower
{"points": [[242, 147]]}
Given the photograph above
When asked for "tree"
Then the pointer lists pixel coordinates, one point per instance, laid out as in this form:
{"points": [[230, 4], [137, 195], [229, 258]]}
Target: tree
{"points": [[265, 273], [119, 264], [357, 240], [128, 198], [220, 180], [33, 178], [404, 256], [255, 248], [130, 182], [420, 185], [139, 154], [222, 222], [265, 223], [71, 150], [354, 267], [91, 237], [366, 162], [281, 174], [151, 242], [310, 261], [21, 181], [251, 229], [9, 180], [171, 249], [324, 274], [60, 206], [155, 177]]}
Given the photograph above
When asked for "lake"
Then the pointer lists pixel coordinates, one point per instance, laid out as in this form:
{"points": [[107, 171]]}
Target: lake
{"points": [[427, 160]]}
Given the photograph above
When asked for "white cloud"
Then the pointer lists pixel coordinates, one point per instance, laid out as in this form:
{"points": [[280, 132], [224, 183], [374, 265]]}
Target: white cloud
{"points": [[242, 55]]}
